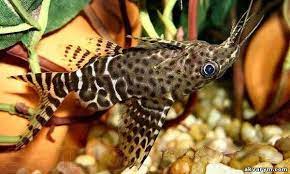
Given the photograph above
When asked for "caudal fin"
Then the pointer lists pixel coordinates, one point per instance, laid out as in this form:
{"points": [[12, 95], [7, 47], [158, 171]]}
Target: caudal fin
{"points": [[48, 86], [40, 81]]}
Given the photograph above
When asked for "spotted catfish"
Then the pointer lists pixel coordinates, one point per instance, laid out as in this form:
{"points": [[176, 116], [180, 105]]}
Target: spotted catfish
{"points": [[147, 78]]}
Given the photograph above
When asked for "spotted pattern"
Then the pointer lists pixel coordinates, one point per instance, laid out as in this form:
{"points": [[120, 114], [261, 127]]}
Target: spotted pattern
{"points": [[147, 79], [141, 125]]}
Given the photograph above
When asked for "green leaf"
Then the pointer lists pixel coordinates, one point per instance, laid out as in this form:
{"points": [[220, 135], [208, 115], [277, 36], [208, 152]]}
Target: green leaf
{"points": [[203, 8], [9, 17], [7, 40], [8, 14], [147, 24], [62, 11], [25, 15], [220, 11], [31, 5]]}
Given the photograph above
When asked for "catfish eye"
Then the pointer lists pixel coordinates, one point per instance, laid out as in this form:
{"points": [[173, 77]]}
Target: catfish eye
{"points": [[209, 69]]}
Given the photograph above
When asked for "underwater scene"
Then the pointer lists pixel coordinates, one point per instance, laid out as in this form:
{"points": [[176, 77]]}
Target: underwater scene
{"points": [[144, 87]]}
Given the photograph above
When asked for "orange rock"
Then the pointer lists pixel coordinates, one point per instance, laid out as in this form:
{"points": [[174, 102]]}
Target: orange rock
{"points": [[263, 62]]}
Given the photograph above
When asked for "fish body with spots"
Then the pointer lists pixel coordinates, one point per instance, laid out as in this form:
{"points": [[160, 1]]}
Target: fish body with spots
{"points": [[147, 79]]}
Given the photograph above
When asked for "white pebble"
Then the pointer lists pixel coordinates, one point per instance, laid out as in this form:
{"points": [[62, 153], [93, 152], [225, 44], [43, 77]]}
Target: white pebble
{"points": [[213, 118], [270, 131], [22, 171], [85, 160], [215, 168], [36, 172]]}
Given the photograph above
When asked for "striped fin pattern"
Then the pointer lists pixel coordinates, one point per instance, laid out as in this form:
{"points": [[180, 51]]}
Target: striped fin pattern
{"points": [[103, 47], [77, 57], [51, 89], [141, 125], [96, 47]]}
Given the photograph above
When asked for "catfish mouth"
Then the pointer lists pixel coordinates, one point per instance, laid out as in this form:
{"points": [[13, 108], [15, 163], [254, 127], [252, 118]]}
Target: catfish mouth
{"points": [[235, 40]]}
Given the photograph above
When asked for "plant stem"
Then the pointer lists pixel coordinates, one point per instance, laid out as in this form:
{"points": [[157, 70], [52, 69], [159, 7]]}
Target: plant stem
{"points": [[18, 109], [126, 22], [192, 19], [33, 61], [169, 8], [170, 29], [8, 108], [8, 139], [36, 36], [147, 24]]}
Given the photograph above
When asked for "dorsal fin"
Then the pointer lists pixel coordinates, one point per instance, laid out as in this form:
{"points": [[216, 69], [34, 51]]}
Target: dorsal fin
{"points": [[75, 56], [101, 46], [155, 43]]}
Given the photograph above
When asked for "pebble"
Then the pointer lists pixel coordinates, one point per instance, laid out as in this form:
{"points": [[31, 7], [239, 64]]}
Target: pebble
{"points": [[251, 134], [213, 118], [224, 121], [181, 166], [283, 144], [168, 157], [286, 155], [175, 140], [219, 132], [103, 172], [271, 131], [223, 145], [273, 140], [36, 172], [261, 165], [66, 167], [85, 160], [203, 156], [22, 171], [233, 129], [285, 165], [198, 131], [244, 161], [105, 154], [268, 153], [142, 170], [216, 168], [191, 120], [253, 154]]}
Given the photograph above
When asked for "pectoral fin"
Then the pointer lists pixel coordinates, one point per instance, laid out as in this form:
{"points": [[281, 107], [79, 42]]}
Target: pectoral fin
{"points": [[141, 125]]}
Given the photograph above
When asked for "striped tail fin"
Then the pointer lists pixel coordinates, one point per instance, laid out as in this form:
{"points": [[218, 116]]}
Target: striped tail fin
{"points": [[35, 81], [51, 87]]}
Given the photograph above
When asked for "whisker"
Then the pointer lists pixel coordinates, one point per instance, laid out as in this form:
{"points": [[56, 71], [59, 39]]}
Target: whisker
{"points": [[254, 29]]}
